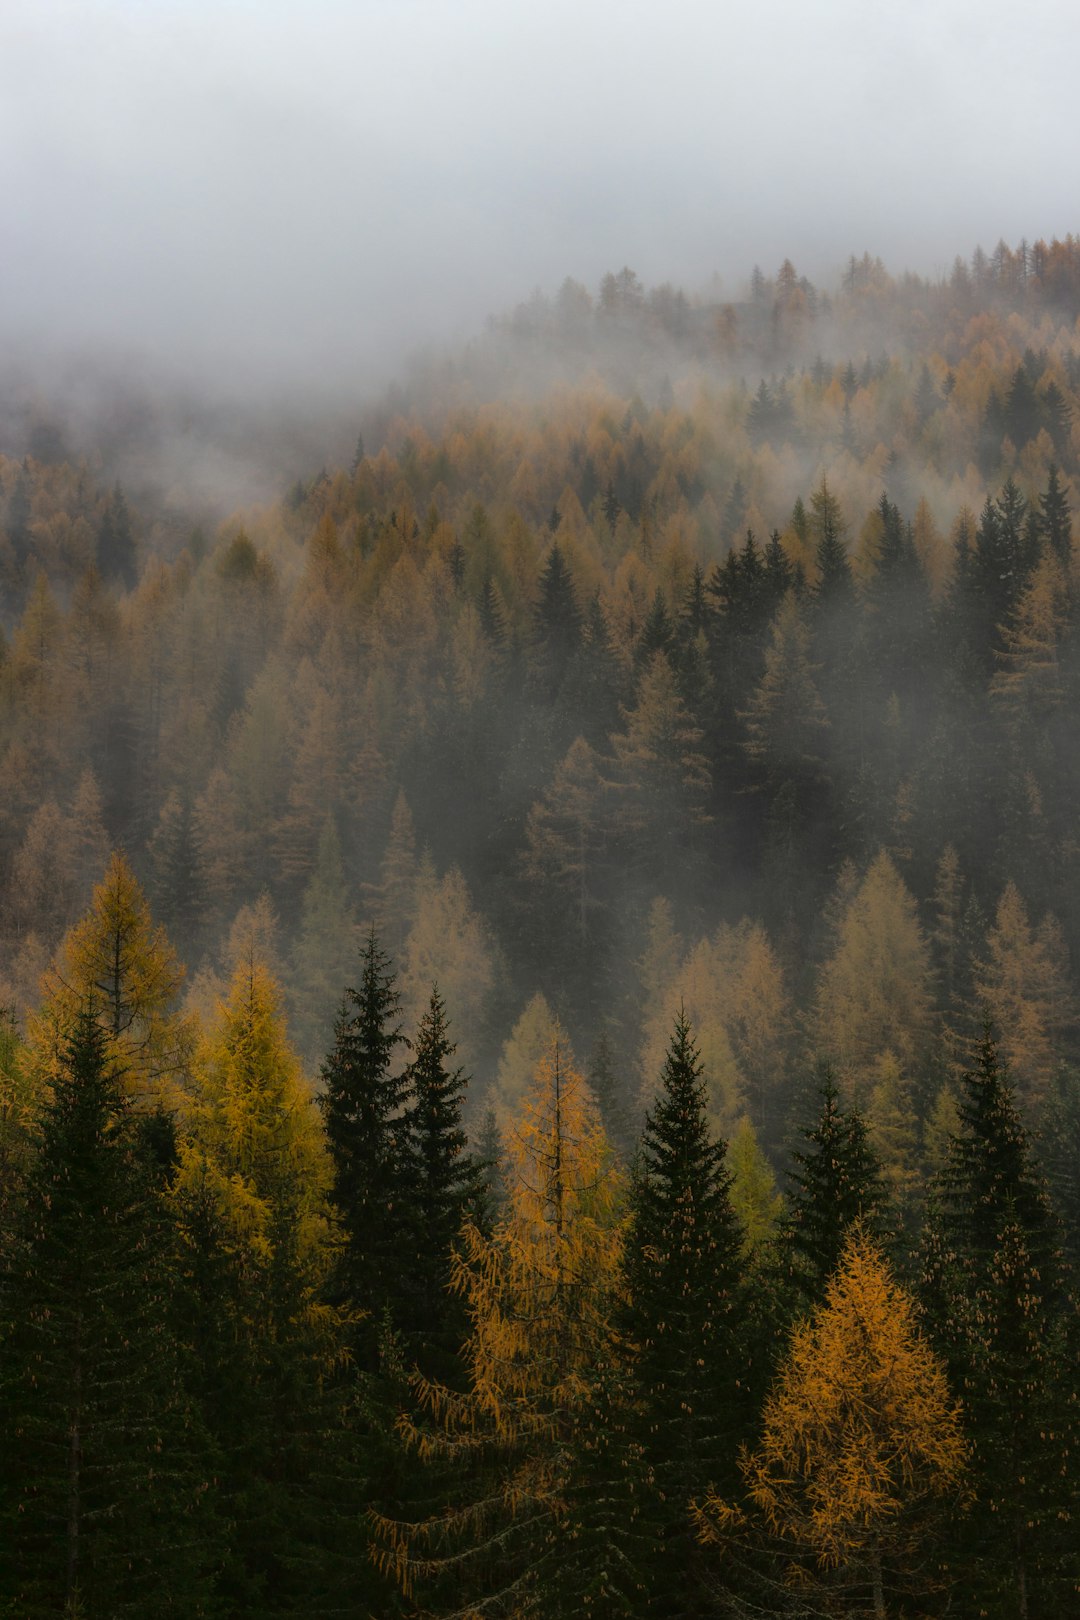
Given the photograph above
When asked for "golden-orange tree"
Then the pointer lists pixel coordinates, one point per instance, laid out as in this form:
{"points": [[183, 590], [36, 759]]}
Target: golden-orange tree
{"points": [[861, 1450], [118, 966], [539, 1289]]}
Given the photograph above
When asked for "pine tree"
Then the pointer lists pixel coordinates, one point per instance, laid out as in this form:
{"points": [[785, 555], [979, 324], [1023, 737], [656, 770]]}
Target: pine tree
{"points": [[361, 1104], [106, 1501], [681, 1270]]}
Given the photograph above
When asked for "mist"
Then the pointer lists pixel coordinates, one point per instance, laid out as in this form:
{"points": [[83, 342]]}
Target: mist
{"points": [[270, 199]]}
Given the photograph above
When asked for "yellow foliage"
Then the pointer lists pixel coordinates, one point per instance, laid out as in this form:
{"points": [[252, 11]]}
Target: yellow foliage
{"points": [[861, 1437], [874, 992], [119, 965], [255, 1137]]}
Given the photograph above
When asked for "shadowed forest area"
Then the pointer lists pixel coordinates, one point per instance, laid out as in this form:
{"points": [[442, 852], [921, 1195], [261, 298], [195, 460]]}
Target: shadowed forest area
{"points": [[540, 1065]]}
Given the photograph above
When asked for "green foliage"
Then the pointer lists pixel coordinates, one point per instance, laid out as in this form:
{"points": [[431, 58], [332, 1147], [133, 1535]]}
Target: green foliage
{"points": [[107, 1499], [681, 1328]]}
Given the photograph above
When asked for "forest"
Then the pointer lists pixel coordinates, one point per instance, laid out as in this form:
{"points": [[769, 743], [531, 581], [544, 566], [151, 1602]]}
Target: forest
{"points": [[539, 995]]}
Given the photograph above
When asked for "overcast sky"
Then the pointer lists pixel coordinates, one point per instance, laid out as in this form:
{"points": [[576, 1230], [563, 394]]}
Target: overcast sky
{"points": [[260, 184]]}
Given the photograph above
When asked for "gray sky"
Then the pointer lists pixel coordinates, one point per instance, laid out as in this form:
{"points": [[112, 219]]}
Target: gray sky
{"points": [[258, 185]]}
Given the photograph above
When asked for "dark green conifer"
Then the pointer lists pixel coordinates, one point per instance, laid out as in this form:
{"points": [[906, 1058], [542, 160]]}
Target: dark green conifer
{"points": [[106, 1490], [361, 1102], [445, 1183], [1055, 517], [993, 1282], [680, 1327], [835, 1183]]}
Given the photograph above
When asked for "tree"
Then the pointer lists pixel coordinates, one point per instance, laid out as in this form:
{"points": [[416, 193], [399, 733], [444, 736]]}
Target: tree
{"points": [[539, 1291], [874, 991], [327, 938], [116, 542], [786, 730], [834, 1185], [682, 1270], [106, 1504], [662, 779], [361, 1104], [993, 1283], [119, 965], [252, 1194], [862, 1452], [834, 589], [1024, 983], [557, 624], [1055, 518], [446, 1186]]}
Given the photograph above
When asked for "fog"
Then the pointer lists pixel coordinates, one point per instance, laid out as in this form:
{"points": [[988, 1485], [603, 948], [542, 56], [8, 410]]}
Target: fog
{"points": [[270, 196]]}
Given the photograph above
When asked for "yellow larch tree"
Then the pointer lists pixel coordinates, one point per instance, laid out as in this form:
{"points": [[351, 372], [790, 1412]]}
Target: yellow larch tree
{"points": [[117, 964], [862, 1449], [1024, 983], [540, 1290], [255, 1142], [874, 991]]}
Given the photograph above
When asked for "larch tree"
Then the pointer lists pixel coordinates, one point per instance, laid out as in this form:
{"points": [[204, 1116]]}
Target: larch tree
{"points": [[1023, 981], [119, 965], [449, 943], [862, 1453], [874, 991], [252, 1197]]}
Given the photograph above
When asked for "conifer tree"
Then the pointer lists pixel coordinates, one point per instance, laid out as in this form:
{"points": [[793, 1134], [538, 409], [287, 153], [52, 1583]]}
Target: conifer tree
{"points": [[445, 1187], [834, 591], [540, 1290], [119, 965], [993, 1282], [835, 1183], [361, 1103], [252, 1196], [106, 1503], [681, 1270], [1055, 517], [862, 1453]]}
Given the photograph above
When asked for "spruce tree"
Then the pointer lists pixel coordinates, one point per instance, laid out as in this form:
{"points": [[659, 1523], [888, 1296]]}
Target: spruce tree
{"points": [[835, 1183], [361, 1103], [681, 1278], [446, 1185], [106, 1502], [993, 1283]]}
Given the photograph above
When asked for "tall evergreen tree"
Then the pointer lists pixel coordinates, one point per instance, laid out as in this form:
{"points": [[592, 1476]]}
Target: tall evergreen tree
{"points": [[835, 1183], [682, 1269], [106, 1506], [361, 1102], [1055, 517], [446, 1185], [993, 1283]]}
